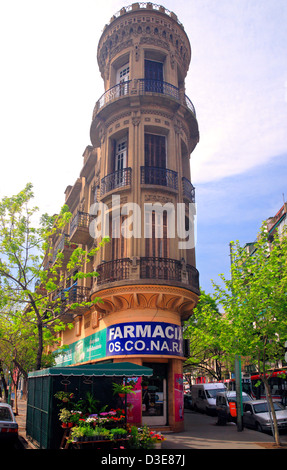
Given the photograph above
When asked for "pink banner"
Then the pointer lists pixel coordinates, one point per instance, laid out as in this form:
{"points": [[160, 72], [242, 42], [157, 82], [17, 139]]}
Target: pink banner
{"points": [[178, 397], [134, 402]]}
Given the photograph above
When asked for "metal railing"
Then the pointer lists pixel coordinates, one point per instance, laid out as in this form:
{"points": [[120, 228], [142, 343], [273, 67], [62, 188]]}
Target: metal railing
{"points": [[117, 91], [143, 86], [188, 189], [117, 179], [160, 268], [193, 276], [159, 176], [149, 268], [115, 270], [81, 219], [71, 295], [158, 86]]}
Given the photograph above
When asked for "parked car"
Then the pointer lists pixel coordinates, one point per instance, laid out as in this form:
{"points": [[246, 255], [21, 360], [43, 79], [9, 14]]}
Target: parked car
{"points": [[223, 399], [8, 424], [256, 415], [187, 401], [204, 396]]}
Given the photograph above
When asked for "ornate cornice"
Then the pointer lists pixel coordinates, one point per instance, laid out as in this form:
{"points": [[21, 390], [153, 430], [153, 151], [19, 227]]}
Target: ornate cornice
{"points": [[173, 299]]}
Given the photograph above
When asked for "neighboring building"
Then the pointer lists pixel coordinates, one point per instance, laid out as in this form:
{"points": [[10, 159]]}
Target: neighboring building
{"points": [[278, 222], [143, 131]]}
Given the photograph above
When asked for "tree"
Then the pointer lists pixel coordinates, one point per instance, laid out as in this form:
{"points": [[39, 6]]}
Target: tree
{"points": [[27, 287], [254, 302], [203, 330]]}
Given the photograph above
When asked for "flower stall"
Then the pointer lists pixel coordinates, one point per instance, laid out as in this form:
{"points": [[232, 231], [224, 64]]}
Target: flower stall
{"points": [[79, 401]]}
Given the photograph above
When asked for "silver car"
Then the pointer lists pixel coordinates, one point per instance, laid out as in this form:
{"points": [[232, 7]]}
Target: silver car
{"points": [[8, 424], [256, 415]]}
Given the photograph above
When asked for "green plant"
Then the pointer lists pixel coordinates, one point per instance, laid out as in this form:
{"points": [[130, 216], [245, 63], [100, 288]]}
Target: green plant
{"points": [[88, 405], [77, 432], [140, 438], [118, 433], [121, 388], [65, 416]]}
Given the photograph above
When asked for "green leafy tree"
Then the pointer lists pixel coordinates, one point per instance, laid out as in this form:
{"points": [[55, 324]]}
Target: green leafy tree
{"points": [[27, 287], [255, 304], [203, 330]]}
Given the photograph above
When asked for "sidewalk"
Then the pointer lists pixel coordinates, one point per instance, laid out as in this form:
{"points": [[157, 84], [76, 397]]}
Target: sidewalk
{"points": [[201, 432]]}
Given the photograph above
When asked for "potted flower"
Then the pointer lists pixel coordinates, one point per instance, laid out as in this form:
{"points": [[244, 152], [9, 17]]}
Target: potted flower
{"points": [[65, 416], [156, 439]]}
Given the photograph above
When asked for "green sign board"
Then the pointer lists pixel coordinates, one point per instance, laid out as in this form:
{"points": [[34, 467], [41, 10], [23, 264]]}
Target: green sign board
{"points": [[87, 349]]}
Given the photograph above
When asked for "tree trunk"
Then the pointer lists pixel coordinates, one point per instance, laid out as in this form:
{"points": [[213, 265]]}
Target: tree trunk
{"points": [[40, 345], [271, 404], [4, 383]]}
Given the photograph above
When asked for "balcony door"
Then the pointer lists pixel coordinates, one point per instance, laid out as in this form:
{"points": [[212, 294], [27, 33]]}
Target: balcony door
{"points": [[122, 79], [155, 150], [120, 161], [153, 76]]}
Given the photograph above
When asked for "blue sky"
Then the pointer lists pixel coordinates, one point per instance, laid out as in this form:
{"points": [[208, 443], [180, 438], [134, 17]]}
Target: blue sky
{"points": [[237, 81]]}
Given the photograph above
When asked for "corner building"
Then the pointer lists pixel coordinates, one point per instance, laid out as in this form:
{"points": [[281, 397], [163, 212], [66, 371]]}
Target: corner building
{"points": [[143, 132]]}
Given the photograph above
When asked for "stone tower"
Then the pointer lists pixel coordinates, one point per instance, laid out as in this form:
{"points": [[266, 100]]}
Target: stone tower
{"points": [[145, 129]]}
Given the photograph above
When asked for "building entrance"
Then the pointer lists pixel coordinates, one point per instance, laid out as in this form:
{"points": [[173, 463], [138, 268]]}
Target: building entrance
{"points": [[154, 396]]}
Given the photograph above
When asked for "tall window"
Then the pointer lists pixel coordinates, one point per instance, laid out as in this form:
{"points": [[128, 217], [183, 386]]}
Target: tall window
{"points": [[120, 161], [156, 244], [153, 76], [155, 150], [118, 239]]}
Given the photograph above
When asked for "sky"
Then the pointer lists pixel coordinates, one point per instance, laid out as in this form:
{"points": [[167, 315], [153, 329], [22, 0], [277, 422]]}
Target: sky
{"points": [[237, 81]]}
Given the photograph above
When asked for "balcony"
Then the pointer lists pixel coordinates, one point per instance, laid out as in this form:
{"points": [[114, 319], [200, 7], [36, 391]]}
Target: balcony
{"points": [[117, 179], [79, 228], [72, 295], [159, 176], [188, 190], [142, 87], [147, 268], [65, 247]]}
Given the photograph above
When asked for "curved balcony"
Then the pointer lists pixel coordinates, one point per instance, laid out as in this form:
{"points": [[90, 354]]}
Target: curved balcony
{"points": [[143, 86], [147, 268], [159, 177], [188, 190], [115, 180]]}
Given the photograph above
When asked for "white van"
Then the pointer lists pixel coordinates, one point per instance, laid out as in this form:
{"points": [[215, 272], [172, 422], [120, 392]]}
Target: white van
{"points": [[204, 396]]}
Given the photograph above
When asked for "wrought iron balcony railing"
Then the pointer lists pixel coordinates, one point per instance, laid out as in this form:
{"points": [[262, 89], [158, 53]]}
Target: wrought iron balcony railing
{"points": [[160, 268], [121, 89], [71, 296], [81, 219], [156, 268], [117, 179], [143, 86], [79, 228], [115, 270], [158, 86], [159, 176], [188, 189]]}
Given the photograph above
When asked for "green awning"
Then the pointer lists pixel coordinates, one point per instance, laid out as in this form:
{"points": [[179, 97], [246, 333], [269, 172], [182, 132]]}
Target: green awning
{"points": [[119, 369]]}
